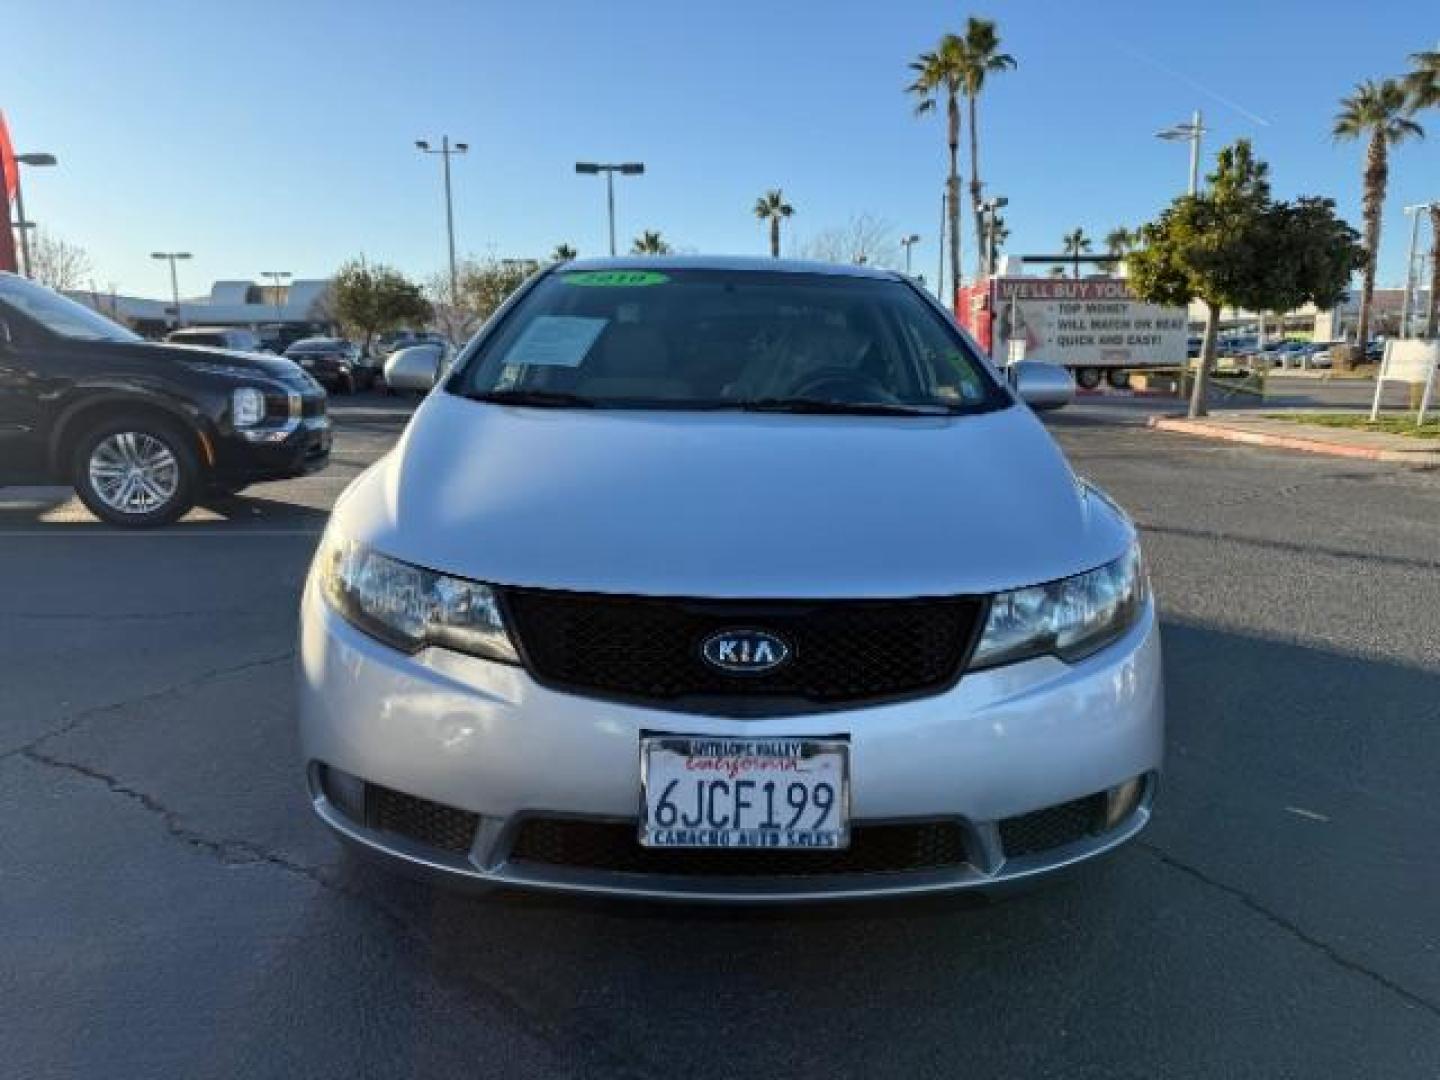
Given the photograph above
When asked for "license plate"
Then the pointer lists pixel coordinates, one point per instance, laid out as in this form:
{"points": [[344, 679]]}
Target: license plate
{"points": [[700, 792]]}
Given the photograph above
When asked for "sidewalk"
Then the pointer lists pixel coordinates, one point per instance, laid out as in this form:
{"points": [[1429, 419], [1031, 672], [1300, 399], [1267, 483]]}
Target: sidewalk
{"points": [[1251, 427]]}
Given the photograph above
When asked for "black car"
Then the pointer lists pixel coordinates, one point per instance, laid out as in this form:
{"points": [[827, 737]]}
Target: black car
{"points": [[141, 430], [332, 362]]}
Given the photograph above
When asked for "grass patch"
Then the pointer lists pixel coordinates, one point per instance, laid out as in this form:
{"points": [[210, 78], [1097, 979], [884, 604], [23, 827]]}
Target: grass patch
{"points": [[1387, 424]]}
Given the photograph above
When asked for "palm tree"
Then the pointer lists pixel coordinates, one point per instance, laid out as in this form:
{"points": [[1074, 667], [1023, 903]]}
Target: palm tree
{"points": [[772, 207], [1119, 242], [1057, 271], [563, 253], [1423, 83], [937, 73], [980, 56], [1076, 244], [1376, 111], [1423, 86], [650, 242]]}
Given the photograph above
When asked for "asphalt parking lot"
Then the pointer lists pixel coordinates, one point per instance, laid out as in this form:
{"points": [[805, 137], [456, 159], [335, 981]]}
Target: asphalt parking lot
{"points": [[170, 909]]}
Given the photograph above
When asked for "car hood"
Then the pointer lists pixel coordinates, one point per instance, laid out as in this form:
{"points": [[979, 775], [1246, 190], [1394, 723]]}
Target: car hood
{"points": [[274, 367], [722, 504]]}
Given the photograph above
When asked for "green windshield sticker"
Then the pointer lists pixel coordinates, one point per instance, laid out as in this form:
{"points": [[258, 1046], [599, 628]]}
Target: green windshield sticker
{"points": [[615, 278]]}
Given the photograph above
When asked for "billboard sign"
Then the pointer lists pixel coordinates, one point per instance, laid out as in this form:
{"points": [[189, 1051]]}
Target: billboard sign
{"points": [[1090, 322]]}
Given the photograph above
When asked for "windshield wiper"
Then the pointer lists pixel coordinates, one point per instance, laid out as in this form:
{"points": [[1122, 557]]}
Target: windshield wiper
{"points": [[842, 408], [540, 399]]}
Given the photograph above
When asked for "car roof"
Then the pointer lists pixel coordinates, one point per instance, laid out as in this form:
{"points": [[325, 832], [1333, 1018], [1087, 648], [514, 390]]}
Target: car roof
{"points": [[744, 263]]}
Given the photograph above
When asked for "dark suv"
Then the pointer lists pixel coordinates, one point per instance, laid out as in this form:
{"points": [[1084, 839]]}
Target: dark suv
{"points": [[141, 430]]}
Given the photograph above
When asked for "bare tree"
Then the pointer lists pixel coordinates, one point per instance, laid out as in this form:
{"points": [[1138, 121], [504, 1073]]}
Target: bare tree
{"points": [[455, 316], [864, 239], [57, 263]]}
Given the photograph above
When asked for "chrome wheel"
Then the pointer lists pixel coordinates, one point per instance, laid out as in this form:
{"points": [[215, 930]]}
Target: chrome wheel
{"points": [[134, 473]]}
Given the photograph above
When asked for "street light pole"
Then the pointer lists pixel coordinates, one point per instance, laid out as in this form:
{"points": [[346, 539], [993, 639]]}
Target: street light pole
{"points": [[172, 257], [276, 282], [34, 160], [1405, 312], [447, 151], [627, 168], [1190, 133], [906, 242]]}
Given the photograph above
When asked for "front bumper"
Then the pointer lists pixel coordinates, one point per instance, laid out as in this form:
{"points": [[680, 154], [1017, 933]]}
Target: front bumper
{"points": [[483, 737], [281, 454]]}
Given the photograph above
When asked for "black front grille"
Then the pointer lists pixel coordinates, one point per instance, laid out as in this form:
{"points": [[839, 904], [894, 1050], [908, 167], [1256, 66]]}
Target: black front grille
{"points": [[430, 823], [648, 649], [613, 847], [1063, 823]]}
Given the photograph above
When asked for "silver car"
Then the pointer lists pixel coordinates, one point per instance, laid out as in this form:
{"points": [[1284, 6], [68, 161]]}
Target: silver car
{"points": [[730, 580]]}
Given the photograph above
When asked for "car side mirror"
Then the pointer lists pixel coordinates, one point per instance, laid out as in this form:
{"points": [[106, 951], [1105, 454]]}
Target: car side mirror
{"points": [[412, 369], [1040, 385]]}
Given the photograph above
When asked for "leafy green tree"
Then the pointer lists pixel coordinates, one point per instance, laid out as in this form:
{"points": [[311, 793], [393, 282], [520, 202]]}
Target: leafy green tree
{"points": [[980, 56], [563, 253], [1234, 246], [649, 242], [773, 208], [941, 73], [1377, 112], [369, 298], [1076, 243], [484, 286]]}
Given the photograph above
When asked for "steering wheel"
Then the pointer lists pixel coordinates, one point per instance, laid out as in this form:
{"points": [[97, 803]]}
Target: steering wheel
{"points": [[842, 384]]}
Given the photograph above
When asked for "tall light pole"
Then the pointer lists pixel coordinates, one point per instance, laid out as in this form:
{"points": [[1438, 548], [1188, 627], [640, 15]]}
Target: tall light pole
{"points": [[277, 281], [1405, 312], [446, 152], [1190, 133], [906, 242], [627, 168], [173, 257], [38, 160]]}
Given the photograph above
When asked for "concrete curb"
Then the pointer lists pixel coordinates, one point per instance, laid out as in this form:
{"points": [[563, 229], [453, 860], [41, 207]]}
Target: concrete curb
{"points": [[1208, 429]]}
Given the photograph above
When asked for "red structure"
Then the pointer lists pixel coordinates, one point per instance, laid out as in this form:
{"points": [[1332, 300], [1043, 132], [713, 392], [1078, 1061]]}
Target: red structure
{"points": [[10, 172]]}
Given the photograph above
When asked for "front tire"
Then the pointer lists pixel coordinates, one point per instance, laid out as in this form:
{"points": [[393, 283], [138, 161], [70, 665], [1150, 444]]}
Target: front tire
{"points": [[136, 471]]}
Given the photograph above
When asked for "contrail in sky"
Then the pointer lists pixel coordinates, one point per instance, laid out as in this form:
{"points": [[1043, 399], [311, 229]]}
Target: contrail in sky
{"points": [[1157, 65]]}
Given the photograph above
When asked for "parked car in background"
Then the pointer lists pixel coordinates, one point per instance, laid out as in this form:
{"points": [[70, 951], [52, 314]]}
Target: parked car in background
{"points": [[392, 340], [417, 367], [334, 363], [143, 430], [730, 580], [217, 337]]}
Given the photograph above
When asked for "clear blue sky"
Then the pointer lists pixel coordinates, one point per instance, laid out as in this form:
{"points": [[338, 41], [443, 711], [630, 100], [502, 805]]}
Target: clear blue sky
{"points": [[270, 135]]}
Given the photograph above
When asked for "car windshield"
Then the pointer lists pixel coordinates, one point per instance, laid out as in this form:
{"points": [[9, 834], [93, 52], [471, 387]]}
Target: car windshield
{"points": [[59, 314], [711, 338]]}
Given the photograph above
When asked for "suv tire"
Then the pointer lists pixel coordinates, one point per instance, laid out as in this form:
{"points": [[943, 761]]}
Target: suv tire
{"points": [[136, 470]]}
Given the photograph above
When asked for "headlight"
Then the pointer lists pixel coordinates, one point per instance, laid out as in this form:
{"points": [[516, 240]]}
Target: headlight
{"points": [[1070, 618], [247, 406], [409, 608]]}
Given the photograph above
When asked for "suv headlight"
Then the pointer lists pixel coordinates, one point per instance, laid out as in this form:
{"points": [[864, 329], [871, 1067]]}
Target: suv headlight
{"points": [[1070, 618], [247, 406], [408, 607]]}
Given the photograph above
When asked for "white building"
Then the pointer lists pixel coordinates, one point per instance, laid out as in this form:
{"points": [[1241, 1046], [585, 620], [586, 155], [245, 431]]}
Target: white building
{"points": [[290, 309]]}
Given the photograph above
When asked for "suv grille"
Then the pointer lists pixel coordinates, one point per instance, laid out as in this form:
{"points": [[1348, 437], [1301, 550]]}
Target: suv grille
{"points": [[647, 649], [612, 846]]}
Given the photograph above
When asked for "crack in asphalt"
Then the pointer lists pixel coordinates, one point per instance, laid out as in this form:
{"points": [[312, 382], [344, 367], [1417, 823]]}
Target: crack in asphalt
{"points": [[1404, 562], [1294, 930], [242, 853], [70, 723]]}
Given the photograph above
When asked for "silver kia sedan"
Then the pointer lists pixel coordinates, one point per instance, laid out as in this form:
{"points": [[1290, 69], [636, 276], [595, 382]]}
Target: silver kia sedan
{"points": [[730, 580]]}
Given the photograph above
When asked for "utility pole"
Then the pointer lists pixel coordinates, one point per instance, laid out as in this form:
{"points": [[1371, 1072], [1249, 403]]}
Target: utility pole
{"points": [[1190, 132], [25, 223], [446, 152], [172, 257], [906, 242], [277, 282]]}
